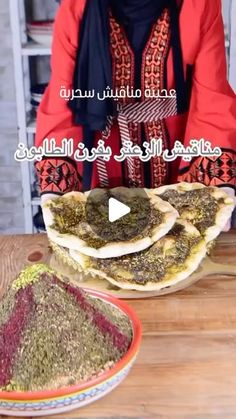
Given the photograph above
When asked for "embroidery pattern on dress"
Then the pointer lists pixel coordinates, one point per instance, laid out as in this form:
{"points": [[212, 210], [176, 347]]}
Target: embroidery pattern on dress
{"points": [[153, 65], [212, 171], [123, 77], [57, 175], [155, 55]]}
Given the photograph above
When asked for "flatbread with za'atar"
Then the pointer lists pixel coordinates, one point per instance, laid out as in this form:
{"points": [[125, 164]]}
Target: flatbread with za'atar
{"points": [[170, 260], [208, 208], [67, 224]]}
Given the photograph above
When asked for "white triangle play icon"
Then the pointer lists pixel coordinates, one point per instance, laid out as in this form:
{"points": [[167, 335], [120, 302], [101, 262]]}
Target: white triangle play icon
{"points": [[117, 210]]}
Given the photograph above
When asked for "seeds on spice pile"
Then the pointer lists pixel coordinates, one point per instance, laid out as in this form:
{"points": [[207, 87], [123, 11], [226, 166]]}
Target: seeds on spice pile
{"points": [[6, 306], [62, 335]]}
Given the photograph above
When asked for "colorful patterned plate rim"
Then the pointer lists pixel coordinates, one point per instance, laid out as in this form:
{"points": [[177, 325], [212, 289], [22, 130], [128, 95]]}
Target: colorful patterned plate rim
{"points": [[132, 352]]}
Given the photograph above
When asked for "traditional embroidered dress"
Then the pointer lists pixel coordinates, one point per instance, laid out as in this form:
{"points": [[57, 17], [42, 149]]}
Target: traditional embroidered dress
{"points": [[209, 111]]}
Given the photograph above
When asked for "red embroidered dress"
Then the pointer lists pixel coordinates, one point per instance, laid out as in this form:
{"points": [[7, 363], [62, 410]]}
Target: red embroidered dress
{"points": [[212, 111]]}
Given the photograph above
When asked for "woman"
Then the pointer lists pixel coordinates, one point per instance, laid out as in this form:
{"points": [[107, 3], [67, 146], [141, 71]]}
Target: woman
{"points": [[144, 44]]}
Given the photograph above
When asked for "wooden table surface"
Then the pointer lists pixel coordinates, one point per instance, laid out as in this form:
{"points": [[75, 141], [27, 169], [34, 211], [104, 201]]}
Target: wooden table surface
{"points": [[187, 364]]}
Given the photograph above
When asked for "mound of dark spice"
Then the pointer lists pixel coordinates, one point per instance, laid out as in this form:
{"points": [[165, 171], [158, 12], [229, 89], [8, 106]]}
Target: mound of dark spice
{"points": [[54, 334]]}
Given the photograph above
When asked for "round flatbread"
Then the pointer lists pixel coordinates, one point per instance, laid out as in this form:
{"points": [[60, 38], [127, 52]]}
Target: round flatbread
{"points": [[170, 260], [67, 226], [208, 208]]}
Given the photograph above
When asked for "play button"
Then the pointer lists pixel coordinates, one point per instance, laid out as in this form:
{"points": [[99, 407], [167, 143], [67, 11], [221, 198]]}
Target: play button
{"points": [[117, 210], [118, 214]]}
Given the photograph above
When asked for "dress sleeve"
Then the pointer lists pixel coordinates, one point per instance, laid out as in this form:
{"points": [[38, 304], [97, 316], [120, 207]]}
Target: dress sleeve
{"points": [[212, 114], [54, 118]]}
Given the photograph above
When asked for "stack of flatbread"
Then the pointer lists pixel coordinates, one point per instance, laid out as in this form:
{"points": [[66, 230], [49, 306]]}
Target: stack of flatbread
{"points": [[183, 220]]}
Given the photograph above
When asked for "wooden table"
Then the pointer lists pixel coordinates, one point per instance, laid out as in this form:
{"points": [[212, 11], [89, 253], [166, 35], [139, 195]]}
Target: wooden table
{"points": [[187, 364]]}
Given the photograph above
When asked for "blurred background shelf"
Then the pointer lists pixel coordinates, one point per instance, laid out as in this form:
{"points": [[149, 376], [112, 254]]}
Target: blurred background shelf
{"points": [[32, 73], [36, 201], [33, 49], [31, 126]]}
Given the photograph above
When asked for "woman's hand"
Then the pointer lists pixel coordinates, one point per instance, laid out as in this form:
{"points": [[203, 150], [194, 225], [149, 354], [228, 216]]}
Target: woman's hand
{"points": [[231, 193]]}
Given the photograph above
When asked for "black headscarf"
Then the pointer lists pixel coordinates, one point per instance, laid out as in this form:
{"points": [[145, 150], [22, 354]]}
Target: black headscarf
{"points": [[137, 11], [93, 69]]}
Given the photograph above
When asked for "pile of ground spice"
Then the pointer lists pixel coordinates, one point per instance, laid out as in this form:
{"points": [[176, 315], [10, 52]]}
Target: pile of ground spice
{"points": [[53, 334]]}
